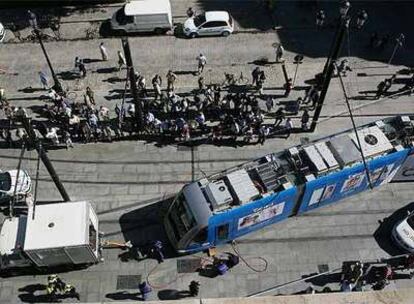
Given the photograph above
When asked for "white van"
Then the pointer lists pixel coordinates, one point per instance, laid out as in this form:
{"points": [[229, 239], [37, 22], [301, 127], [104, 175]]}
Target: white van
{"points": [[403, 233], [143, 16]]}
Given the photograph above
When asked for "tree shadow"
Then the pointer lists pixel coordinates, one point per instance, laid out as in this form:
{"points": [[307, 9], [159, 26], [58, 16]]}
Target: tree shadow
{"points": [[248, 14], [383, 233], [172, 294]]}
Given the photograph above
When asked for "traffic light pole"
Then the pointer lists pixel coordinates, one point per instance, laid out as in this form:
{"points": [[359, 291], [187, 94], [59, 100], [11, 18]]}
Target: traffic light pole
{"points": [[43, 156], [326, 80], [133, 82]]}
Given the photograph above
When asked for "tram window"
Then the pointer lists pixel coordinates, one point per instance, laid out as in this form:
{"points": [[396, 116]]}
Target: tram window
{"points": [[223, 232]]}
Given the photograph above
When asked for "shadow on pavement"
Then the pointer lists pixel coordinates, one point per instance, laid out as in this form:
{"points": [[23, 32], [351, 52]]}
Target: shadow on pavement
{"points": [[145, 225], [172, 294], [123, 295], [383, 234]]}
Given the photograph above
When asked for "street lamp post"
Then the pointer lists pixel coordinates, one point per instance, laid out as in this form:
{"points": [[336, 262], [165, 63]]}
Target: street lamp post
{"points": [[33, 22], [297, 60]]}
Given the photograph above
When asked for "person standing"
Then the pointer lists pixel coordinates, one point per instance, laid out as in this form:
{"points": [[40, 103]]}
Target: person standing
{"points": [[104, 52], [362, 18], [190, 12], [269, 104], [288, 127], [288, 87], [279, 53], [305, 120], [320, 19], [202, 61], [43, 80], [145, 289], [344, 7], [156, 84], [121, 60], [67, 139], [279, 116], [91, 95], [255, 76], [82, 69], [171, 78], [201, 83]]}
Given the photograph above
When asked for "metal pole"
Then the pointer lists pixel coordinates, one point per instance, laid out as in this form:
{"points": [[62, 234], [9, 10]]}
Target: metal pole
{"points": [[45, 159], [354, 126], [296, 72], [133, 81], [285, 74], [13, 200], [393, 52], [329, 73], [57, 86]]}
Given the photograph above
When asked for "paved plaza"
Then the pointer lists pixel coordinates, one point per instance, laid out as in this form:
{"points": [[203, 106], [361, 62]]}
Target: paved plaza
{"points": [[129, 180]]}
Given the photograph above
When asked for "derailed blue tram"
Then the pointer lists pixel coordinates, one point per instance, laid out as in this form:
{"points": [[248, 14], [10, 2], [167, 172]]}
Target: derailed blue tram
{"points": [[224, 206]]}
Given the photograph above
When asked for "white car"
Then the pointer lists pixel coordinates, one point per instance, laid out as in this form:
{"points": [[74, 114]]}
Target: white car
{"points": [[2, 32], [403, 233], [8, 183], [214, 23]]}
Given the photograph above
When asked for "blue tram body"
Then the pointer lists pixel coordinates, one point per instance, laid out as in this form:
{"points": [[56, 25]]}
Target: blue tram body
{"points": [[222, 207]]}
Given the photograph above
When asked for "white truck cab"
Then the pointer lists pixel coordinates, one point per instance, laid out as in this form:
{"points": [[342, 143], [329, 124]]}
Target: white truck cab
{"points": [[403, 233], [51, 235]]}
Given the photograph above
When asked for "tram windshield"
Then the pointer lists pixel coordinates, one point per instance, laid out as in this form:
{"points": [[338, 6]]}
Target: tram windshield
{"points": [[181, 217]]}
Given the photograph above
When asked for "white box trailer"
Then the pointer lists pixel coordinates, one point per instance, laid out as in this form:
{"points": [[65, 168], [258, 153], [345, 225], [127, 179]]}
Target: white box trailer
{"points": [[143, 16], [62, 234]]}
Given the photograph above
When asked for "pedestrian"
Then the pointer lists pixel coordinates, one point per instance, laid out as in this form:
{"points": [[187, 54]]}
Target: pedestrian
{"points": [[156, 84], [202, 61], [171, 78], [279, 53], [194, 288], [255, 76], [288, 127], [104, 52], [320, 19], [76, 64], [82, 69], [305, 120], [362, 18], [260, 82], [343, 8], [201, 83], [121, 60], [190, 12], [288, 87], [279, 117], [43, 80], [67, 139], [343, 68], [263, 132], [145, 289], [156, 251], [91, 95], [269, 104], [380, 89]]}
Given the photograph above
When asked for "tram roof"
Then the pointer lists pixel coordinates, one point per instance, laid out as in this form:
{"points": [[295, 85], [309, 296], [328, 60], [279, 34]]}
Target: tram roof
{"points": [[282, 170]]}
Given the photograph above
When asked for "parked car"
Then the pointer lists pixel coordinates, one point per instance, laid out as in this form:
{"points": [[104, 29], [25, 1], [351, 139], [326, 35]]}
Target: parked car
{"points": [[143, 16], [2, 32], [213, 23], [403, 233], [8, 183]]}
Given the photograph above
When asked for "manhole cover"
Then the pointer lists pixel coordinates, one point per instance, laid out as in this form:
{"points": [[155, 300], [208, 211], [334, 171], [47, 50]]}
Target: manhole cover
{"points": [[128, 281], [188, 265], [323, 268]]}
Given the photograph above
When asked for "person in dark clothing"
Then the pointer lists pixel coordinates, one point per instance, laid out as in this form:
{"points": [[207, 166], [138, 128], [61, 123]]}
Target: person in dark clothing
{"points": [[145, 290], [380, 89], [288, 87], [279, 116], [305, 120]]}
